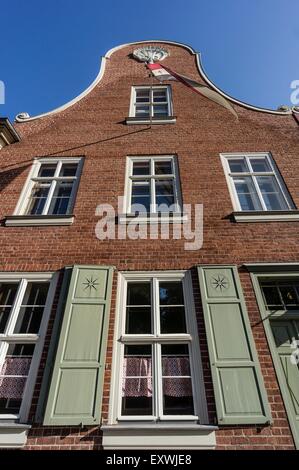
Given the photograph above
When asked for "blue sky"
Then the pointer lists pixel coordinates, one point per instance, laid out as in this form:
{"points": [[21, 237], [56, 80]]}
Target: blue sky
{"points": [[51, 49]]}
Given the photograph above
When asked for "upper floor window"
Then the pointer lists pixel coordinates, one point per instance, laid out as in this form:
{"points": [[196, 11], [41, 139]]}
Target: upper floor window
{"points": [[51, 187], [255, 183], [151, 103], [152, 185]]}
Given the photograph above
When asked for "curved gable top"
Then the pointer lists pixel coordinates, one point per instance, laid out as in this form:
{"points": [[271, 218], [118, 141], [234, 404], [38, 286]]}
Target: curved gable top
{"points": [[25, 117]]}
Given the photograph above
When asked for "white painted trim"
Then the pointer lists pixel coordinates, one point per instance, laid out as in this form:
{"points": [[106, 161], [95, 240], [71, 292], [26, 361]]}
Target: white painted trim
{"points": [[157, 437], [274, 172], [266, 217], [136, 121], [38, 340], [174, 177], [13, 436], [199, 397], [150, 103], [27, 189], [153, 219], [31, 221], [22, 117]]}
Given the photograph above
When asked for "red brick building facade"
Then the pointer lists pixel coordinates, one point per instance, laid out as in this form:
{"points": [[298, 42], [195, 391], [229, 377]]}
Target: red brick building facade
{"points": [[244, 173]]}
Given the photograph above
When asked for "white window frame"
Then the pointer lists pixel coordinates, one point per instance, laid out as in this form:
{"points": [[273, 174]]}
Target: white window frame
{"points": [[225, 157], [152, 177], [190, 338], [132, 112], [33, 178], [38, 339]]}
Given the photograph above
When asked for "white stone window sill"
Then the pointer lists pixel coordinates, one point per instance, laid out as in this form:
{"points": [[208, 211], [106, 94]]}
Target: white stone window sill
{"points": [[266, 216], [153, 218], [29, 220], [13, 435], [164, 120], [158, 436]]}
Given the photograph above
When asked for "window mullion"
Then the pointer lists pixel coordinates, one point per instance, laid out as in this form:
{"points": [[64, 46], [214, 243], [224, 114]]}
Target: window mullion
{"points": [[153, 186], [156, 307], [158, 382], [151, 102], [49, 198], [3, 351], [16, 307], [259, 193]]}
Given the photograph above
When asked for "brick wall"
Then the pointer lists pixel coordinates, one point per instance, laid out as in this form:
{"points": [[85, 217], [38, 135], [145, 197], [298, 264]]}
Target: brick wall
{"points": [[94, 128]]}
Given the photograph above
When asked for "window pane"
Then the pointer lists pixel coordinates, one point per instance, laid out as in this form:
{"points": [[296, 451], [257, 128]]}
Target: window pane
{"points": [[260, 164], [142, 111], [68, 169], [172, 319], [32, 308], [238, 165], [47, 170], [13, 375], [159, 96], [176, 379], [139, 293], [38, 198], [7, 297], [138, 320], [271, 192], [160, 110], [143, 95], [137, 380], [141, 168], [163, 168], [247, 195], [280, 295], [171, 293], [141, 196], [164, 195], [272, 298], [61, 198], [289, 296], [172, 310]]}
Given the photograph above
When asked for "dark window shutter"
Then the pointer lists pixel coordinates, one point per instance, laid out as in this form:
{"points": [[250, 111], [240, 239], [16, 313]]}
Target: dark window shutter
{"points": [[75, 392], [238, 384]]}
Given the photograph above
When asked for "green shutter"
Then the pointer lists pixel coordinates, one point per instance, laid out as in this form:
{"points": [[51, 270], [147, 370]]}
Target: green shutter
{"points": [[238, 385], [75, 392]]}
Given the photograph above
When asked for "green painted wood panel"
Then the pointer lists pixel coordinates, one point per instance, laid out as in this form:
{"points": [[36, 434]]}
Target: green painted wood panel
{"points": [[284, 333], [75, 393], [238, 384]]}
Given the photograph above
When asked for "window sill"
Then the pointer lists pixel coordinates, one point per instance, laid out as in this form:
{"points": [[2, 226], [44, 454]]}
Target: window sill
{"points": [[266, 216], [13, 435], [153, 218], [155, 120], [158, 436], [32, 220]]}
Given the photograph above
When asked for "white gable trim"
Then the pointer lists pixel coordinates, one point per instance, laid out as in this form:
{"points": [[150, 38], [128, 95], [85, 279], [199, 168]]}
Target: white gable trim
{"points": [[24, 117]]}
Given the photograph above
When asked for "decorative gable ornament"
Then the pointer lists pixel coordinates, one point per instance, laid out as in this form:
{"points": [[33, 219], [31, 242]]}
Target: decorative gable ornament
{"points": [[150, 54]]}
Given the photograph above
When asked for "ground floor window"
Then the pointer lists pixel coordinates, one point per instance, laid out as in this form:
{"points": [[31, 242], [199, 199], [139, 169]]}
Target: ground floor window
{"points": [[22, 320], [157, 348]]}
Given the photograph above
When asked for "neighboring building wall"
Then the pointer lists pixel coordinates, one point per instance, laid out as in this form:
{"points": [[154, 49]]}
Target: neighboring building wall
{"points": [[94, 128]]}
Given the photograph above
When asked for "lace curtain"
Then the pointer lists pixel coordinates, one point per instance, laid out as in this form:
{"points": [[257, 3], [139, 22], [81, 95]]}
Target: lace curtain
{"points": [[13, 387], [140, 385]]}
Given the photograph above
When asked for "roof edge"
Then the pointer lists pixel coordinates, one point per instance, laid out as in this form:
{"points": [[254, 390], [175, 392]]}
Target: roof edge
{"points": [[25, 117]]}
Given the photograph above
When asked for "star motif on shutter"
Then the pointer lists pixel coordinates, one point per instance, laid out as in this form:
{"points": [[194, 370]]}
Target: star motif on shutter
{"points": [[220, 282], [90, 284]]}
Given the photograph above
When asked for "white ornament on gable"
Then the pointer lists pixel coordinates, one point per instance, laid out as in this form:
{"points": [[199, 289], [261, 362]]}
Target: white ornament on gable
{"points": [[150, 54]]}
